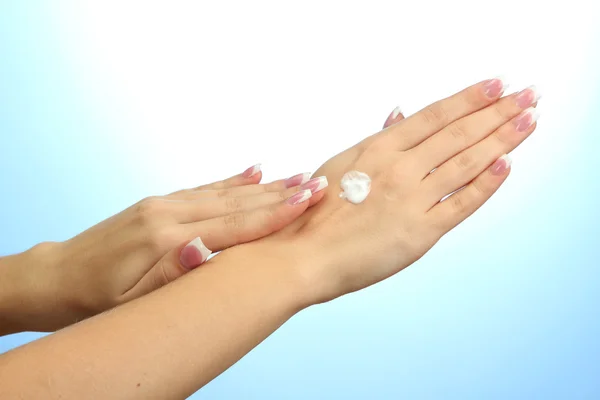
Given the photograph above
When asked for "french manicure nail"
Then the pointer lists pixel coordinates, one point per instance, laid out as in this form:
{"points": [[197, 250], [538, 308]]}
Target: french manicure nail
{"points": [[396, 112], [528, 96], [316, 184], [495, 87], [501, 165], [297, 180], [526, 119], [299, 197], [253, 170], [194, 254]]}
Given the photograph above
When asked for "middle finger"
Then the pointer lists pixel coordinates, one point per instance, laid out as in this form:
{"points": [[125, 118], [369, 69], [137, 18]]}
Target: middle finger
{"points": [[469, 130]]}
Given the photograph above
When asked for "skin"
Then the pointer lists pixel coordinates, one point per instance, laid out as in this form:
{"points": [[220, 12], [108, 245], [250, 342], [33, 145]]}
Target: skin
{"points": [[178, 338], [117, 260]]}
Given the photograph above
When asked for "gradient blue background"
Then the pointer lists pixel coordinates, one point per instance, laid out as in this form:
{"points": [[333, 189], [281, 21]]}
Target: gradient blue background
{"points": [[504, 307]]}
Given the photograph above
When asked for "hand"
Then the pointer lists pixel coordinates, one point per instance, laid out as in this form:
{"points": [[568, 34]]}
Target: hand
{"points": [[181, 258], [116, 260], [415, 164]]}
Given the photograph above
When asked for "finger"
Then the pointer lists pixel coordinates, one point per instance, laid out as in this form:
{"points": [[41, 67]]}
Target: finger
{"points": [[460, 205], [171, 266], [198, 210], [251, 175], [229, 230], [466, 165], [395, 116], [469, 130], [240, 191], [418, 127]]}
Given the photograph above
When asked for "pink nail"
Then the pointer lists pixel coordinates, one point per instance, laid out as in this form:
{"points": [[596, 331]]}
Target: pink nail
{"points": [[526, 119], [527, 97], [397, 111], [253, 170], [501, 165], [194, 254], [297, 180], [299, 197], [316, 184], [494, 87]]}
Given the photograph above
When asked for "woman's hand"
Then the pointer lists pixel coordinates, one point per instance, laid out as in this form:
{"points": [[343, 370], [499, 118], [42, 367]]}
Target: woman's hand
{"points": [[183, 258], [116, 260], [417, 167]]}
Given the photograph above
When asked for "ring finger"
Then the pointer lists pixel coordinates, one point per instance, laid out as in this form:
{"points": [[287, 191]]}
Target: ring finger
{"points": [[465, 166]]}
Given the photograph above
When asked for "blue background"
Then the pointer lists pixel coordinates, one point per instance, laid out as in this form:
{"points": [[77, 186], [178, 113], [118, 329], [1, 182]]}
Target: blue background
{"points": [[506, 306]]}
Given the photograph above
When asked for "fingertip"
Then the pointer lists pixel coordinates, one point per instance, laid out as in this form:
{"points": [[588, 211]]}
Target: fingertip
{"points": [[254, 179], [316, 197], [501, 166], [299, 198], [194, 254], [395, 116]]}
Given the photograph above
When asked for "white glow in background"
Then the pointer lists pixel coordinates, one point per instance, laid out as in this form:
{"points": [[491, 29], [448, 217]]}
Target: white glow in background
{"points": [[113, 101]]}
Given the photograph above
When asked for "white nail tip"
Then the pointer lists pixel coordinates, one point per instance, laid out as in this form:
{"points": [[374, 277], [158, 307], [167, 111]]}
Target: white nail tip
{"points": [[255, 170], [396, 112], [204, 251], [502, 79], [507, 160], [306, 194], [323, 183], [535, 114], [306, 177], [536, 93]]}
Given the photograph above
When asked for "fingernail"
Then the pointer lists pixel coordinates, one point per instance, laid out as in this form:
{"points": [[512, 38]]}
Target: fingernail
{"points": [[396, 112], [194, 254], [297, 179], [253, 170], [528, 96], [299, 197], [494, 87], [501, 165], [316, 184], [526, 119]]}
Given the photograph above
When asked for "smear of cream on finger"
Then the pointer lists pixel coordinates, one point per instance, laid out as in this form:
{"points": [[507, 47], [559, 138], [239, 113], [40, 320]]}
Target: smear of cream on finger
{"points": [[356, 186]]}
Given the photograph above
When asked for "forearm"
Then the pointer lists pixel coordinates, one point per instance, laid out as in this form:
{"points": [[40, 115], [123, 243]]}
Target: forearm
{"points": [[167, 344], [29, 298]]}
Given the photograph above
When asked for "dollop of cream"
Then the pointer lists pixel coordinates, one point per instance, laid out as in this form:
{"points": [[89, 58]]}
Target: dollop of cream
{"points": [[355, 186]]}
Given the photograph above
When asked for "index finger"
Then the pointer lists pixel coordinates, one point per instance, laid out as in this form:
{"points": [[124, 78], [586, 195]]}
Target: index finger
{"points": [[418, 127]]}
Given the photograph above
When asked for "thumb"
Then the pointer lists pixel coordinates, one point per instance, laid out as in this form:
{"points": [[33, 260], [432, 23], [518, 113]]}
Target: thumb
{"points": [[395, 116], [171, 266]]}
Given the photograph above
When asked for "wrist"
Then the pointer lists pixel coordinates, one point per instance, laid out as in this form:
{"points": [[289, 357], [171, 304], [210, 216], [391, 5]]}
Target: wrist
{"points": [[29, 290], [300, 268]]}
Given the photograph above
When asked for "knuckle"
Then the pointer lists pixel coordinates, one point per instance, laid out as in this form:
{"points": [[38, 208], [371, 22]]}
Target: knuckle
{"points": [[149, 208], [502, 139], [464, 161], [233, 204], [458, 131], [458, 203], [270, 187], [282, 196], [499, 111], [160, 239], [436, 114], [234, 222], [480, 188], [397, 173], [472, 98], [223, 193]]}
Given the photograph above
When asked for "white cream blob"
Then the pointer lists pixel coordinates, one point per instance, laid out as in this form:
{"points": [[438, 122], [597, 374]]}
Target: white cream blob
{"points": [[355, 186]]}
